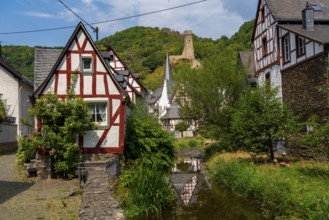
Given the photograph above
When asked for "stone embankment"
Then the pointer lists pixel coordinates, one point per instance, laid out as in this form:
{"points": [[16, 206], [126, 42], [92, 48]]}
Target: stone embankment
{"points": [[98, 202]]}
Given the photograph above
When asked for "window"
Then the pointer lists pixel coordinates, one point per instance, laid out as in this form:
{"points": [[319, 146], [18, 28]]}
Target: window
{"points": [[264, 46], [99, 113], [87, 64], [286, 48], [300, 46]]}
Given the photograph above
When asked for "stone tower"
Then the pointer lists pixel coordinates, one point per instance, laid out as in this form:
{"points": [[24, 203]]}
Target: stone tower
{"points": [[188, 52]]}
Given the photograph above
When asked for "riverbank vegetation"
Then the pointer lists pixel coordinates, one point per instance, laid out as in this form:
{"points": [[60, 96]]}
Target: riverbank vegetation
{"points": [[297, 191], [143, 187]]}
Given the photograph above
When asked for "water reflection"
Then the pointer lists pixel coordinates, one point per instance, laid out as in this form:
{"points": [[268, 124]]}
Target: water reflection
{"points": [[219, 203], [196, 200]]}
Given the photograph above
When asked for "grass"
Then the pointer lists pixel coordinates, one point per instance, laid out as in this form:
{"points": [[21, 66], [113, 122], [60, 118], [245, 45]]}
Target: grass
{"points": [[189, 143], [297, 191]]}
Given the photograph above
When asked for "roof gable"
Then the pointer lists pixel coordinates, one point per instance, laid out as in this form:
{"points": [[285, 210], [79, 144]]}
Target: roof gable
{"points": [[83, 42], [291, 10], [11, 70]]}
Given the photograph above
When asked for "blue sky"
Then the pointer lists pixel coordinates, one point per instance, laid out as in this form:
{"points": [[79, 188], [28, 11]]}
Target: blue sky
{"points": [[211, 18]]}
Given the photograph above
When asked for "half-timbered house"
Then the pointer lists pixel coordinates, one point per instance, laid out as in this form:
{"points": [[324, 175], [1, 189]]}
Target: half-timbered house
{"points": [[96, 85], [290, 41], [133, 87]]}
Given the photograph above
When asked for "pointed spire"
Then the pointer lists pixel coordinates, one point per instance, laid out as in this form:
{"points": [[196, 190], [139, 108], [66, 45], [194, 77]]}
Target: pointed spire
{"points": [[167, 73]]}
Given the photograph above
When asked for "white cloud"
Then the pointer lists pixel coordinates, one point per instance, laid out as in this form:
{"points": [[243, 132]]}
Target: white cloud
{"points": [[206, 19], [38, 14]]}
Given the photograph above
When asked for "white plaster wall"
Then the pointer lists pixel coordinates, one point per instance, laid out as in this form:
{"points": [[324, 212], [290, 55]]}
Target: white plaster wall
{"points": [[100, 87], [275, 78], [62, 86], [112, 88], [318, 48], [309, 50], [9, 89], [25, 105], [112, 138]]}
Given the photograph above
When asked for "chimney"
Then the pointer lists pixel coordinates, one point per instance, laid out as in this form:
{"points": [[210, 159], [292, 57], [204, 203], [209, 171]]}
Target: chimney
{"points": [[308, 17]]}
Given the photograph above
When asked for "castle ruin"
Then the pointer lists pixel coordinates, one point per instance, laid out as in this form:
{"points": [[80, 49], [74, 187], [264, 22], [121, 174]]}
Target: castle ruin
{"points": [[188, 52]]}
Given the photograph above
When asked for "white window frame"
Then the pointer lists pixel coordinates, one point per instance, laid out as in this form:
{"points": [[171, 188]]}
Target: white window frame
{"points": [[301, 50], [89, 70], [286, 48], [93, 108]]}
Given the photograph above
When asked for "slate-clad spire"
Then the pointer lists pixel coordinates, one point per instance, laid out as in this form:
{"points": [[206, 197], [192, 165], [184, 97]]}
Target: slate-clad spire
{"points": [[167, 73]]}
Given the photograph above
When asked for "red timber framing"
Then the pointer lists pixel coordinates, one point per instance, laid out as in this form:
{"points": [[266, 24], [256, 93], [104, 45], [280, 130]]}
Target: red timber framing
{"points": [[118, 64], [102, 77], [265, 31]]}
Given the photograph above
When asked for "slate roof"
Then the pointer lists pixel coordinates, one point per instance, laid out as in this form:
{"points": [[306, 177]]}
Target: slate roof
{"points": [[15, 72], [44, 61], [152, 98], [291, 10], [320, 33], [172, 112]]}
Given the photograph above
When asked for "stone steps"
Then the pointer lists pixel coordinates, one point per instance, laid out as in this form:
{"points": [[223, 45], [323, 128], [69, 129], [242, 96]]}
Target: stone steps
{"points": [[98, 202]]}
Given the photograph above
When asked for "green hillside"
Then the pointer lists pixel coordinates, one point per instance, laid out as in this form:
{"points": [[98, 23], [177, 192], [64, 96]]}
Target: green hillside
{"points": [[143, 49]]}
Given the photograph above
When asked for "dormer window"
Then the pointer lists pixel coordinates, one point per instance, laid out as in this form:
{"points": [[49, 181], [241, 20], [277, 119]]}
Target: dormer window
{"points": [[87, 65]]}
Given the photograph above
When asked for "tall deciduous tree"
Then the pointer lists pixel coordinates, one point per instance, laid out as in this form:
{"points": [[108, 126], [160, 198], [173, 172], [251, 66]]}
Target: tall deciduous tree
{"points": [[260, 120], [206, 93]]}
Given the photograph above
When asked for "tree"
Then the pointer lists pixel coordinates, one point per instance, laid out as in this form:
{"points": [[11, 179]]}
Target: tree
{"points": [[181, 126], [62, 122], [2, 111], [145, 138], [209, 91], [260, 120]]}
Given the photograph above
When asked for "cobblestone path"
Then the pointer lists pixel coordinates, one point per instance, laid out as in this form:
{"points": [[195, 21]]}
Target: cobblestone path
{"points": [[22, 198], [98, 203]]}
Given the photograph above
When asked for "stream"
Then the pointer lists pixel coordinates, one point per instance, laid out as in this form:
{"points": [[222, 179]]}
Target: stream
{"points": [[204, 202]]}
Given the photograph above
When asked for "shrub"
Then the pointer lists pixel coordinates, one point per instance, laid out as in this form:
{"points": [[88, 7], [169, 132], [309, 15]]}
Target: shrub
{"points": [[26, 150], [144, 188]]}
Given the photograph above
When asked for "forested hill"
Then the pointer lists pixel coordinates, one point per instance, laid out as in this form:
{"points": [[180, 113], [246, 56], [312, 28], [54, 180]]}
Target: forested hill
{"points": [[142, 48]]}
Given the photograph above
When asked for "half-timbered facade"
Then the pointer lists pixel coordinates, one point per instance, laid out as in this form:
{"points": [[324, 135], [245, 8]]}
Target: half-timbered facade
{"points": [[133, 87], [290, 41], [95, 84]]}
